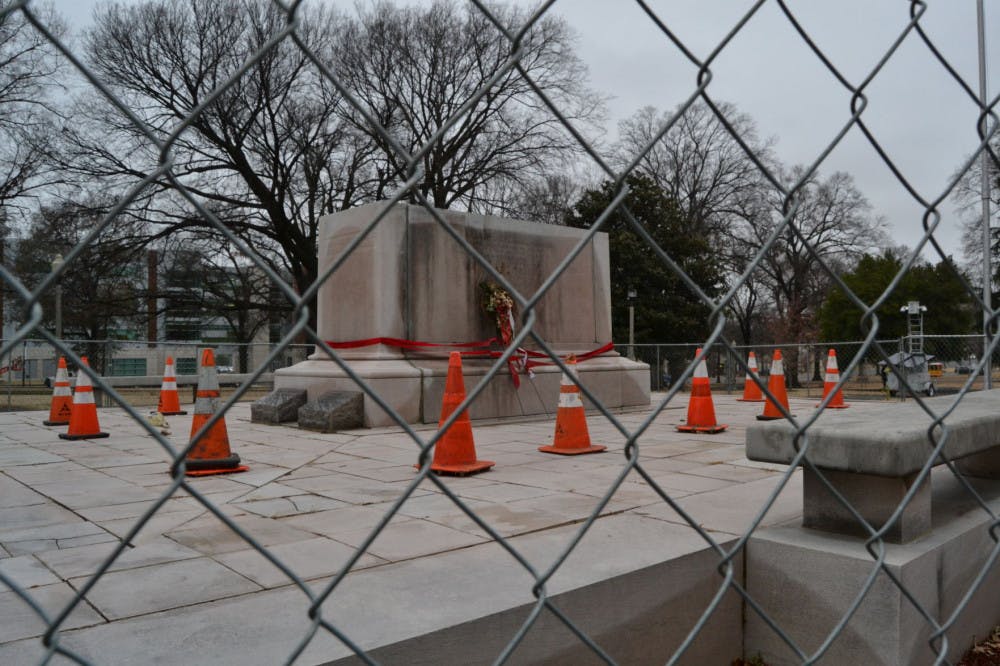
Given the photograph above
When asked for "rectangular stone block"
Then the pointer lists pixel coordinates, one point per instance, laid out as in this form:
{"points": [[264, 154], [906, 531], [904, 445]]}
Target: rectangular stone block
{"points": [[278, 406], [333, 411], [874, 497]]}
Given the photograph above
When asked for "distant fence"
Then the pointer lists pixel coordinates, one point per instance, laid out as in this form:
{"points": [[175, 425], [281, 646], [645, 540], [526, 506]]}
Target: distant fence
{"points": [[958, 354], [35, 360], [32, 361]]}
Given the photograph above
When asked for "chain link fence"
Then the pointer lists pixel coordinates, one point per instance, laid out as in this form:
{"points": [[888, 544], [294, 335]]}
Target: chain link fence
{"points": [[670, 365]]}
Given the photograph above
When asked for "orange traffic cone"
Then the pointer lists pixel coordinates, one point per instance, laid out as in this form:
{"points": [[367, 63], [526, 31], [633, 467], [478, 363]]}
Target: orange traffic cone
{"points": [[83, 415], [170, 402], [751, 392], [455, 451], [776, 385], [210, 454], [62, 397], [572, 437], [701, 409], [830, 381]]}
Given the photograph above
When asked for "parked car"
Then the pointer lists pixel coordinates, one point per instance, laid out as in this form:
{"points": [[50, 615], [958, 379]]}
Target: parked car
{"points": [[963, 370]]}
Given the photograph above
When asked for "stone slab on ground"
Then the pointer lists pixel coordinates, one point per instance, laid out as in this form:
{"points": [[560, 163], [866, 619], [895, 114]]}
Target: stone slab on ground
{"points": [[333, 411], [278, 406]]}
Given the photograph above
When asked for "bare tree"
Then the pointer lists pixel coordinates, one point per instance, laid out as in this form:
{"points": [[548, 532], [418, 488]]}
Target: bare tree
{"points": [[717, 187], [549, 200], [414, 68], [205, 279], [697, 162], [102, 288], [270, 156], [967, 198], [29, 76], [832, 226]]}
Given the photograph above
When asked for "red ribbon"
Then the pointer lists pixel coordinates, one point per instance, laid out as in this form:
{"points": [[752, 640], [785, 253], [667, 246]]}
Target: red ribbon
{"points": [[477, 348]]}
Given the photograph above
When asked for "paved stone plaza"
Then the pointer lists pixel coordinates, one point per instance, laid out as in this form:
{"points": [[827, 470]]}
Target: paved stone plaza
{"points": [[191, 591]]}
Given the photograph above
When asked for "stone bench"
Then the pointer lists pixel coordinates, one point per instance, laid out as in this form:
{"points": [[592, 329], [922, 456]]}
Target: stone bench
{"points": [[872, 453]]}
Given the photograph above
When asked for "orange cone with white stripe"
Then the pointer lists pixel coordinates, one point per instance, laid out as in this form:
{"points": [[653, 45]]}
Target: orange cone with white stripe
{"points": [[830, 383], [455, 450], [776, 385], [572, 437], [211, 453], [751, 391], [170, 402], [701, 409], [62, 397], [83, 415]]}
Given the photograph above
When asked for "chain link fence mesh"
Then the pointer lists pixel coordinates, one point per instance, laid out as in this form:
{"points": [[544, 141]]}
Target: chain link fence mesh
{"points": [[670, 365]]}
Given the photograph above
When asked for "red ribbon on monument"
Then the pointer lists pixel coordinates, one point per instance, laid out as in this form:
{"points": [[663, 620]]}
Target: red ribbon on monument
{"points": [[523, 360]]}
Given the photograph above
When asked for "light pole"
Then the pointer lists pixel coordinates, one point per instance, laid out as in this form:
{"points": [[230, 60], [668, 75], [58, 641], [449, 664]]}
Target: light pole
{"points": [[984, 182], [631, 322], [57, 263]]}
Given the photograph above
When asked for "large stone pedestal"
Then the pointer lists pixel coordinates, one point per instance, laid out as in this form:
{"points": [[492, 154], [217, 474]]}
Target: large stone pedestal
{"points": [[410, 279]]}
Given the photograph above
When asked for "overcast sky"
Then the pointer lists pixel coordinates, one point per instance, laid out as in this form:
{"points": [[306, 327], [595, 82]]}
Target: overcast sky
{"points": [[916, 110]]}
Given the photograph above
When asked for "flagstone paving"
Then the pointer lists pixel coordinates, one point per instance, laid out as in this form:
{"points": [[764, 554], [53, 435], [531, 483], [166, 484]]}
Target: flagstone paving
{"points": [[312, 499]]}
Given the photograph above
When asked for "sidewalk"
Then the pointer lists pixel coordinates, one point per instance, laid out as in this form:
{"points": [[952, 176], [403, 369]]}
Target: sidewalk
{"points": [[189, 590]]}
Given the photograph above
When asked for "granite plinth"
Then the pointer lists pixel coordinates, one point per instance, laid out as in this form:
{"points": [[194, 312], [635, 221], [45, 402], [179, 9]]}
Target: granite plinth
{"points": [[409, 279]]}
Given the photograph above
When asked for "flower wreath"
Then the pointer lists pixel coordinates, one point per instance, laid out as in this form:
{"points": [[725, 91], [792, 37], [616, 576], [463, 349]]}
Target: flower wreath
{"points": [[499, 306]]}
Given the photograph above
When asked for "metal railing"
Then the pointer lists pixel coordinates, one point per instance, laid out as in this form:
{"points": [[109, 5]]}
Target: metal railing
{"points": [[728, 359]]}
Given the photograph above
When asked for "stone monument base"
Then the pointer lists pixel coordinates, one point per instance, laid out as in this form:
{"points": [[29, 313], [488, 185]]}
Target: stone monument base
{"points": [[805, 580], [414, 387]]}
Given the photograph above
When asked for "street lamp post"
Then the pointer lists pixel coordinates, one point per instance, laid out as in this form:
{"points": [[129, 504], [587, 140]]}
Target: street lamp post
{"points": [[984, 182], [631, 322], [57, 263]]}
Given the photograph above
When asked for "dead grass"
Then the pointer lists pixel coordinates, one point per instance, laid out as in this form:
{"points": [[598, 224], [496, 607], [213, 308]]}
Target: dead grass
{"points": [[984, 653]]}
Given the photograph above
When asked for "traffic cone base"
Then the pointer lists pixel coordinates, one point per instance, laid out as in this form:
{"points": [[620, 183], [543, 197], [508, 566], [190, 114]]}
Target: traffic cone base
{"points": [[177, 413], [216, 467], [455, 450], [461, 469], [95, 435], [710, 430], [752, 399], [843, 405], [593, 448], [58, 423]]}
